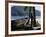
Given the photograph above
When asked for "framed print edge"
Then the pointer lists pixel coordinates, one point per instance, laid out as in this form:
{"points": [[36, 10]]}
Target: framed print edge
{"points": [[6, 18]]}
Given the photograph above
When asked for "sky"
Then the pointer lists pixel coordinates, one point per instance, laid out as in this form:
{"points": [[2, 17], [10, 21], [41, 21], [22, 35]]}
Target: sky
{"points": [[19, 10], [38, 8]]}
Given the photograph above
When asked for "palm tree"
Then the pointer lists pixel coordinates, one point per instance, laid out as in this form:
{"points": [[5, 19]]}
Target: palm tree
{"points": [[31, 15]]}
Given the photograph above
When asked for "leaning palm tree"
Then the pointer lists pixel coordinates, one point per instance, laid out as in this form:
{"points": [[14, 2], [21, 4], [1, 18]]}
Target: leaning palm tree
{"points": [[31, 15]]}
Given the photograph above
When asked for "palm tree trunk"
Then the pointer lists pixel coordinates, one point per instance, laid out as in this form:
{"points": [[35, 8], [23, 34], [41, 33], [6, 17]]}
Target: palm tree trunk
{"points": [[32, 16]]}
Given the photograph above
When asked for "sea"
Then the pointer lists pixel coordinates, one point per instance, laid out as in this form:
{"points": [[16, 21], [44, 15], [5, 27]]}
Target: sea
{"points": [[38, 18]]}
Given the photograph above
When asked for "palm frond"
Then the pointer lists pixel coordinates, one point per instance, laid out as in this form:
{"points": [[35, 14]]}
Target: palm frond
{"points": [[25, 8]]}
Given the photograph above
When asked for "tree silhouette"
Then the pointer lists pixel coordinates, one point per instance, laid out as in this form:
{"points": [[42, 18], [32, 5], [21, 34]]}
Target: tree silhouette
{"points": [[31, 15]]}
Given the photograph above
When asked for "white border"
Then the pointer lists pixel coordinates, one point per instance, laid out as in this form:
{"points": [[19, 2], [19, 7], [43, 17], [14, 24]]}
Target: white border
{"points": [[23, 32]]}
